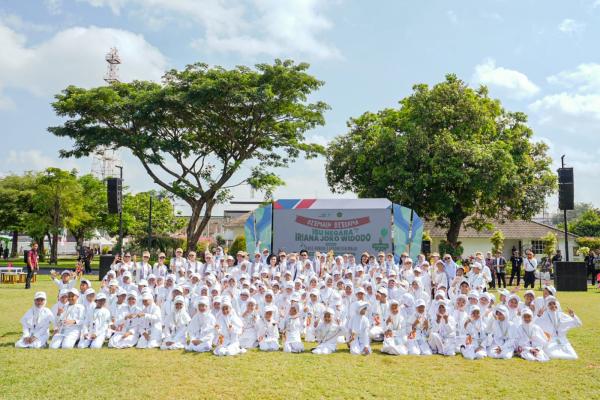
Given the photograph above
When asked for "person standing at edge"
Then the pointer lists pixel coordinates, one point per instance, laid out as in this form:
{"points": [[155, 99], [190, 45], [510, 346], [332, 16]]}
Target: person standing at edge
{"points": [[517, 261], [32, 264], [530, 264]]}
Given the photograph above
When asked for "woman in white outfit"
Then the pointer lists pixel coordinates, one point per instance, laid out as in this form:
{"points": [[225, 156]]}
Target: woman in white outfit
{"points": [[360, 342], [555, 325], [201, 328], [327, 333], [229, 329], [36, 324], [176, 326], [394, 342], [291, 327], [530, 339], [475, 336], [96, 326], [267, 330], [70, 322], [127, 325]]}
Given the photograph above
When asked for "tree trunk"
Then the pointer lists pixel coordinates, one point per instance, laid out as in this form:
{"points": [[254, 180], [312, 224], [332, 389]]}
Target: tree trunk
{"points": [[15, 244], [54, 249], [454, 231], [194, 229], [41, 247]]}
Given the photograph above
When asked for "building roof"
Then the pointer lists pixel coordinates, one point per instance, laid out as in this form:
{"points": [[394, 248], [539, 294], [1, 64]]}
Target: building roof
{"points": [[518, 229]]}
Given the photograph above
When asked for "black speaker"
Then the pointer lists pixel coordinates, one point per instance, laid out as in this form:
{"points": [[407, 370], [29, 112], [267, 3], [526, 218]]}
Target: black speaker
{"points": [[566, 196], [114, 189], [570, 276], [426, 247], [105, 263], [565, 175]]}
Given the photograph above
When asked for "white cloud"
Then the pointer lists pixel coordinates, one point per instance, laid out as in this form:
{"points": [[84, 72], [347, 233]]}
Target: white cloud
{"points": [[596, 4], [575, 105], [17, 23], [72, 56], [513, 83], [253, 27], [585, 77], [35, 160], [571, 26], [54, 7]]}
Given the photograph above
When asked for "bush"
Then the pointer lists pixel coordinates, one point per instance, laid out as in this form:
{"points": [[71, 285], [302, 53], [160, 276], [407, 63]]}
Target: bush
{"points": [[445, 247], [497, 241], [591, 242], [239, 243]]}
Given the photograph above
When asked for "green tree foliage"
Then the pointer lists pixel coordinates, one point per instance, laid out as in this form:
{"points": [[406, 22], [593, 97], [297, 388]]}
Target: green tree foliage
{"points": [[56, 204], [136, 213], [580, 208], [592, 243], [550, 242], [497, 240], [193, 132], [450, 152], [587, 224], [239, 244], [16, 192], [95, 209]]}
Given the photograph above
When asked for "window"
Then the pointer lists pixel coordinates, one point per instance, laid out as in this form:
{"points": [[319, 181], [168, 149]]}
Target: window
{"points": [[537, 246]]}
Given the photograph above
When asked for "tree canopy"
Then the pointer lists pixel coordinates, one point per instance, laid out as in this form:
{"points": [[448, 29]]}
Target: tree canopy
{"points": [[587, 224], [450, 152], [193, 132]]}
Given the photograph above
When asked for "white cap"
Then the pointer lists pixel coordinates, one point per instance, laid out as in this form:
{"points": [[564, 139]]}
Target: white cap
{"points": [[100, 296], [39, 295]]}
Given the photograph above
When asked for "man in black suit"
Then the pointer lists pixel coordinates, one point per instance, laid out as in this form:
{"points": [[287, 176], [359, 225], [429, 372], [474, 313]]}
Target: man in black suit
{"points": [[517, 262]]}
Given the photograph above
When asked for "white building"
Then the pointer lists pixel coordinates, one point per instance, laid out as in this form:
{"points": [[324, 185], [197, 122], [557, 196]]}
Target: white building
{"points": [[519, 235]]}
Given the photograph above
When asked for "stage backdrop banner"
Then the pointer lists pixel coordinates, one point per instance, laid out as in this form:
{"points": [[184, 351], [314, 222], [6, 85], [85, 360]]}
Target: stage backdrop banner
{"points": [[342, 225]]}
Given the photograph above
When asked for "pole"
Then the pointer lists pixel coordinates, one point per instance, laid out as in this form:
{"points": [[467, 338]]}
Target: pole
{"points": [[150, 224], [562, 160], [121, 211]]}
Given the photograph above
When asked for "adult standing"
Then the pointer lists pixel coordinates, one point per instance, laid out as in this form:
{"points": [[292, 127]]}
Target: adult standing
{"points": [[517, 262], [590, 261], [32, 264], [500, 266], [530, 264]]}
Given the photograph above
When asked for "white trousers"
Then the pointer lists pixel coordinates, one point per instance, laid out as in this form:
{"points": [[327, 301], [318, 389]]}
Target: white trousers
{"points": [[325, 348], [199, 348], [394, 346], [418, 347], [117, 341], [440, 345], [269, 345], [64, 341], [293, 347], [356, 347], [560, 349], [92, 343], [38, 343], [232, 349], [506, 352], [470, 352]]}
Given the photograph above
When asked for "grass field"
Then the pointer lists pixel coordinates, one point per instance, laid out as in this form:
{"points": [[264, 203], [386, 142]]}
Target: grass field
{"points": [[137, 374]]}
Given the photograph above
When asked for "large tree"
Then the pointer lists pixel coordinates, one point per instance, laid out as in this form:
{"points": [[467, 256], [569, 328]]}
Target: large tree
{"points": [[450, 152], [57, 203], [16, 192], [587, 224], [193, 132], [94, 209]]}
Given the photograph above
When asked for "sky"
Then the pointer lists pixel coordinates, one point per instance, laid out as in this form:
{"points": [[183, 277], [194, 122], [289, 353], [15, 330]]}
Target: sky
{"points": [[537, 57]]}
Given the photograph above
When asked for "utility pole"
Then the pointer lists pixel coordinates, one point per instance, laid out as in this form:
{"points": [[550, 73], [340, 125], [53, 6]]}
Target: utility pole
{"points": [[150, 223]]}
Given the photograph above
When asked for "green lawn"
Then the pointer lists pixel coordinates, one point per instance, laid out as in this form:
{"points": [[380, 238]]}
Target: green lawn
{"points": [[133, 374], [63, 263]]}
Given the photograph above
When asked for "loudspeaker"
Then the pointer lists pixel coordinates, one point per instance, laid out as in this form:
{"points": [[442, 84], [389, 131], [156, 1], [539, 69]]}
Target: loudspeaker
{"points": [[565, 175], [426, 247], [566, 196], [114, 189], [105, 263], [570, 276]]}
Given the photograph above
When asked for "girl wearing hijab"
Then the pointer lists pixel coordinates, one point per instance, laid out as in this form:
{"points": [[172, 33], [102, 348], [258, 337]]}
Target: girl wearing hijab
{"points": [[291, 328], [360, 342], [501, 335], [394, 342], [418, 330], [249, 338], [476, 336], [69, 323], [327, 333], [36, 324], [530, 339], [555, 325], [513, 305], [176, 326], [267, 330], [442, 335], [461, 316], [151, 322], [96, 326], [201, 328], [127, 327], [229, 329]]}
